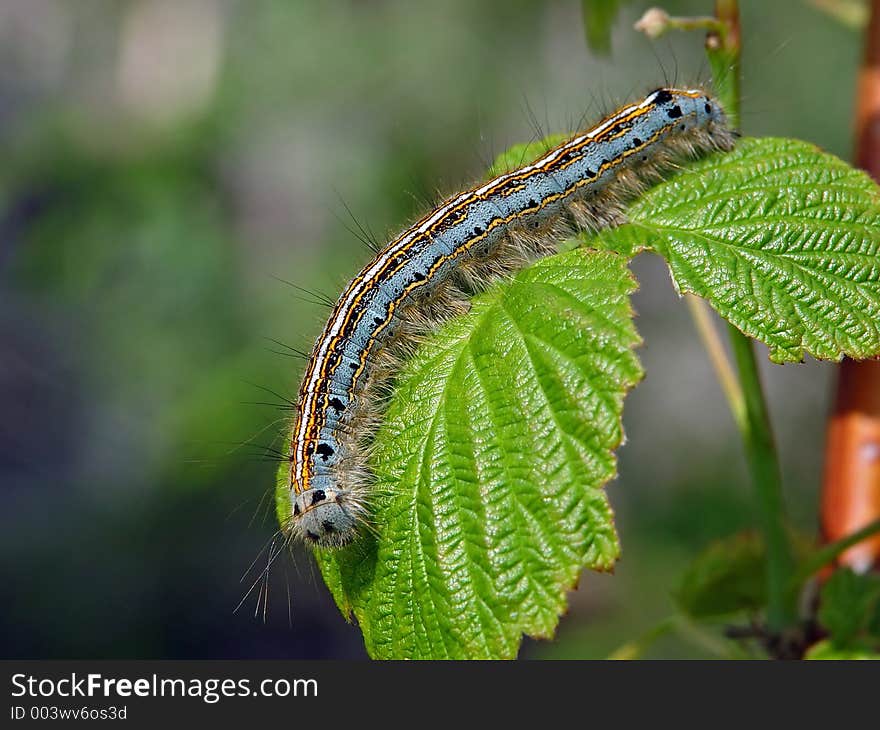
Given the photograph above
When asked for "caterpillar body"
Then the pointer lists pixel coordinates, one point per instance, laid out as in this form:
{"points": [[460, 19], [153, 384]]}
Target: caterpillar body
{"points": [[426, 274]]}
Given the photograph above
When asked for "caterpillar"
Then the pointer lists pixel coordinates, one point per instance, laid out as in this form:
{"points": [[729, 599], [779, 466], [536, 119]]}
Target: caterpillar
{"points": [[427, 273]]}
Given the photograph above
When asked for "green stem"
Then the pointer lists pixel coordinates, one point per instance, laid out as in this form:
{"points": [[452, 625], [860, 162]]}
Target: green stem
{"points": [[686, 629], [829, 552], [656, 21], [763, 464], [636, 648]]}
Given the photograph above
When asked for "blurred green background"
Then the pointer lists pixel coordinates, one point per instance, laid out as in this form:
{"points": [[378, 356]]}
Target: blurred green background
{"points": [[165, 163]]}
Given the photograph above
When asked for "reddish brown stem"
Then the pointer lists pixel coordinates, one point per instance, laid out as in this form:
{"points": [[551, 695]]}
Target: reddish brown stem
{"points": [[867, 153], [851, 492], [851, 488]]}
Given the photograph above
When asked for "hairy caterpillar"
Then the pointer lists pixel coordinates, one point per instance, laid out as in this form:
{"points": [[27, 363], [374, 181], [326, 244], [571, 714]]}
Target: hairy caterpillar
{"points": [[425, 274]]}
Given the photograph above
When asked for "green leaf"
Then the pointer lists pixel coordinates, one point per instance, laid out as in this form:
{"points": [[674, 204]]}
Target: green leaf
{"points": [[781, 238], [826, 650], [599, 17], [490, 466], [727, 577], [850, 607]]}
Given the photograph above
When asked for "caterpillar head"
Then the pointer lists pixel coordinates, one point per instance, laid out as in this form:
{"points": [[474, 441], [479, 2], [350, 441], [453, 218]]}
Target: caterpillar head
{"points": [[325, 517]]}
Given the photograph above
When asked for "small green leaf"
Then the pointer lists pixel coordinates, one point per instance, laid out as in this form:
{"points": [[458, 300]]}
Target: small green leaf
{"points": [[729, 576], [781, 238], [850, 607], [490, 465], [599, 17], [826, 650]]}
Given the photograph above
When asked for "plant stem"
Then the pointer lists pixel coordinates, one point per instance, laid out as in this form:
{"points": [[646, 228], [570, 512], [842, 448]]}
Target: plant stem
{"points": [[831, 551], [636, 648], [685, 628], [723, 49], [851, 484], [718, 357], [764, 467], [656, 21]]}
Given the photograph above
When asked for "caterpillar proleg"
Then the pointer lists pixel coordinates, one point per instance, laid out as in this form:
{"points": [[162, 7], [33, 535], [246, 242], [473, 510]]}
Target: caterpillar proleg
{"points": [[425, 275]]}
